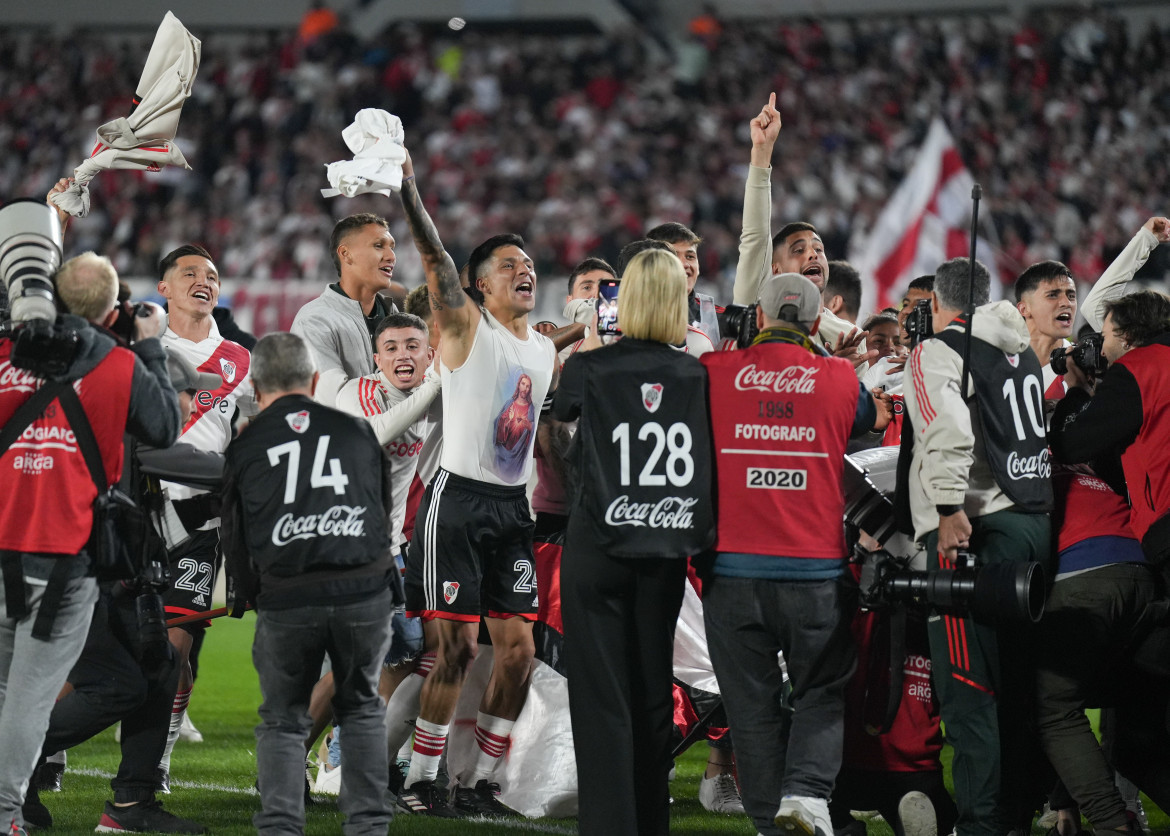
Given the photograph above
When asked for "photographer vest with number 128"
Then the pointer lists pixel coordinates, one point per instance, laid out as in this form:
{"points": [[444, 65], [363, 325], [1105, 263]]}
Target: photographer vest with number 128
{"points": [[1009, 393]]}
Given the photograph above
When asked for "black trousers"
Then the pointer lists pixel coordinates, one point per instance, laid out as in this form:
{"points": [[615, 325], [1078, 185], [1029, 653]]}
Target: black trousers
{"points": [[619, 619], [1086, 633], [109, 685]]}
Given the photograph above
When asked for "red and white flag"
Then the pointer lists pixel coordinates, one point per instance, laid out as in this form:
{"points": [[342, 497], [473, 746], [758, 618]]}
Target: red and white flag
{"points": [[925, 222]]}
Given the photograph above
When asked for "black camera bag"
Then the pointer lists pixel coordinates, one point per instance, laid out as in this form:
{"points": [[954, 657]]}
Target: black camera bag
{"points": [[123, 539]]}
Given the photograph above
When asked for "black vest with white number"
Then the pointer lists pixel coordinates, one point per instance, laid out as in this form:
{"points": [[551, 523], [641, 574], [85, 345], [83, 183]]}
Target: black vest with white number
{"points": [[642, 451], [310, 485], [1009, 391]]}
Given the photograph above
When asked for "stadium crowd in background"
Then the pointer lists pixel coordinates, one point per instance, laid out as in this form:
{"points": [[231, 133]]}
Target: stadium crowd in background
{"points": [[1056, 114]]}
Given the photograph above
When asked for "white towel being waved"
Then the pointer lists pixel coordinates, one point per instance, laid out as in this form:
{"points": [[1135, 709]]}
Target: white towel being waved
{"points": [[376, 138], [144, 140]]}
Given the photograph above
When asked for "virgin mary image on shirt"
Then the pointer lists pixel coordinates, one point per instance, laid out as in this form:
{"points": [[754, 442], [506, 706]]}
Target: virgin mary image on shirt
{"points": [[514, 428]]}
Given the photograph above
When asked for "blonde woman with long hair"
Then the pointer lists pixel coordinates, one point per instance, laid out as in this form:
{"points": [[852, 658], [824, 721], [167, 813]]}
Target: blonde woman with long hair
{"points": [[640, 505]]}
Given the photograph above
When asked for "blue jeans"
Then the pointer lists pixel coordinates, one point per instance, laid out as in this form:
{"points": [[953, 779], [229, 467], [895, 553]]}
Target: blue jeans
{"points": [[289, 647], [408, 638], [31, 675]]}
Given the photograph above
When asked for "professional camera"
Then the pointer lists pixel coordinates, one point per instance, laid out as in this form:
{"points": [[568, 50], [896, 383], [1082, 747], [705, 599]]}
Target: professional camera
{"points": [[920, 322], [152, 647], [738, 322], [30, 253], [128, 312], [999, 592], [1086, 353]]}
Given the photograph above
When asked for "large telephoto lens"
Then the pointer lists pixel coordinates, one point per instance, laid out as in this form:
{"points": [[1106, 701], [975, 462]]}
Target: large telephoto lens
{"points": [[30, 253], [1000, 593]]}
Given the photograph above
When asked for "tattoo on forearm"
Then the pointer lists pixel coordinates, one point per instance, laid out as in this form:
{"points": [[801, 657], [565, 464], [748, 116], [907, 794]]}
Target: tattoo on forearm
{"points": [[443, 278]]}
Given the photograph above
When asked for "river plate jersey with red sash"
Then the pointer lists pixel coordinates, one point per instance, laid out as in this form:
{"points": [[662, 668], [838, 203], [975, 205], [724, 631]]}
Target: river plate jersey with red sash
{"points": [[372, 395], [210, 427], [47, 488]]}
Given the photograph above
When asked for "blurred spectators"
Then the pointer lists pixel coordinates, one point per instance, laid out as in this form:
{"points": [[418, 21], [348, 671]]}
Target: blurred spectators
{"points": [[584, 142]]}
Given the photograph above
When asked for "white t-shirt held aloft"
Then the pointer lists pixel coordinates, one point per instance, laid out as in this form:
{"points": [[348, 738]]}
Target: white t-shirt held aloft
{"points": [[492, 402]]}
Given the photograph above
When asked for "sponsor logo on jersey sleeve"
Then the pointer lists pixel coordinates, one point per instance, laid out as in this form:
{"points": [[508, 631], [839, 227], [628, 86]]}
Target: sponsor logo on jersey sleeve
{"points": [[651, 396], [299, 421]]}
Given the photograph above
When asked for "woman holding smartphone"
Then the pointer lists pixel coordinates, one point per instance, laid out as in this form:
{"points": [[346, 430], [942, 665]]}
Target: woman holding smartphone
{"points": [[641, 463]]}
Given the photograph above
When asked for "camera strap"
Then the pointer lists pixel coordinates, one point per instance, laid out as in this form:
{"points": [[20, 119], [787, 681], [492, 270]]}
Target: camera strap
{"points": [[28, 412], [83, 432], [15, 601]]}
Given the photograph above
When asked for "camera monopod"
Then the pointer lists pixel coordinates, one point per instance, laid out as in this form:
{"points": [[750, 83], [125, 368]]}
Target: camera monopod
{"points": [[976, 194]]}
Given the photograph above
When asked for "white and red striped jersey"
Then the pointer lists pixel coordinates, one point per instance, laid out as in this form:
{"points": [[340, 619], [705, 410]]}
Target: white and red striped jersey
{"points": [[400, 422]]}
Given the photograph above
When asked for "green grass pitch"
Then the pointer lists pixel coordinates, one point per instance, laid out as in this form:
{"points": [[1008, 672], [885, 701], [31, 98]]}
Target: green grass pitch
{"points": [[212, 782]]}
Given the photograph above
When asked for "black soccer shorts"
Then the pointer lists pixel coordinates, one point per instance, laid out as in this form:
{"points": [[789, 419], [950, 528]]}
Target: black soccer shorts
{"points": [[193, 566], [471, 554]]}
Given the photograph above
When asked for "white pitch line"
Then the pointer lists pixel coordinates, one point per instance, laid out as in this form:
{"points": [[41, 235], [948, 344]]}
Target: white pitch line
{"points": [[192, 785], [526, 826], [529, 826]]}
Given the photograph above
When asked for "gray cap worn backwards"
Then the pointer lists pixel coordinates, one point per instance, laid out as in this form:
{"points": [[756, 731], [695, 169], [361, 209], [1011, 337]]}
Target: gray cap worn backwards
{"points": [[186, 378], [790, 297]]}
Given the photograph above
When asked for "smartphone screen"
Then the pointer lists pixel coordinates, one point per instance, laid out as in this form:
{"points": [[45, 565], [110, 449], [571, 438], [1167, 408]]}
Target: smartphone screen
{"points": [[607, 306]]}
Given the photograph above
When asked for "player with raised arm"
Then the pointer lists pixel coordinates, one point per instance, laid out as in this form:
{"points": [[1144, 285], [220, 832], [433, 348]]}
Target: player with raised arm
{"points": [[471, 556]]}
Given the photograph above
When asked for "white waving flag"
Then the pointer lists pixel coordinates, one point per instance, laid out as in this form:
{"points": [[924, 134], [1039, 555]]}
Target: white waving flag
{"points": [[144, 140], [925, 222]]}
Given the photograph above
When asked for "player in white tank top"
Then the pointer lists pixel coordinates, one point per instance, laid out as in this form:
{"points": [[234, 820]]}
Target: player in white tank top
{"points": [[493, 402], [496, 373]]}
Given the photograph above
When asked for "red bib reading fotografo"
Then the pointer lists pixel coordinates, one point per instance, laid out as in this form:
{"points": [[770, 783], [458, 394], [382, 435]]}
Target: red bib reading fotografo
{"points": [[780, 417]]}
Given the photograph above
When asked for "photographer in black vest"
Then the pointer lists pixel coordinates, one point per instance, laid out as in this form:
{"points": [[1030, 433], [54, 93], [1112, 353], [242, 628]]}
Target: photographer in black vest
{"points": [[641, 461], [305, 536], [979, 483]]}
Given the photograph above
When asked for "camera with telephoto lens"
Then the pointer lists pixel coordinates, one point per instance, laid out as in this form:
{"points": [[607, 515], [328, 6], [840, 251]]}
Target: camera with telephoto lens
{"points": [[30, 253], [1086, 353], [997, 592], [920, 322]]}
